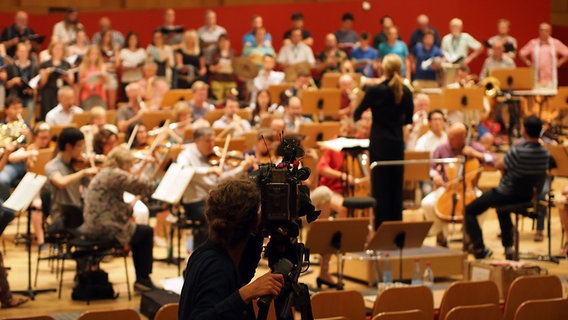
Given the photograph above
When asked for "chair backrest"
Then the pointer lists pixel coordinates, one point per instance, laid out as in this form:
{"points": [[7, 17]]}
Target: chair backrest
{"points": [[466, 293], [404, 298], [530, 185], [122, 314], [72, 216], [531, 288], [167, 312], [547, 309], [475, 312], [32, 318], [403, 315], [349, 304]]}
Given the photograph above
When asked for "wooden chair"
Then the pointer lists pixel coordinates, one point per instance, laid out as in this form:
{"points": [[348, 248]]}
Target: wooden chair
{"points": [[349, 304], [56, 129], [152, 119], [403, 315], [466, 293], [32, 318], [172, 96], [81, 119], [404, 298], [475, 312], [122, 314], [275, 90], [213, 115], [547, 309], [167, 312], [111, 116], [531, 288]]}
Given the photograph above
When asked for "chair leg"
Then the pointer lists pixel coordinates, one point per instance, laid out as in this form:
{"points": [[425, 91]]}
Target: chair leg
{"points": [[127, 279], [516, 242], [61, 275], [37, 266]]}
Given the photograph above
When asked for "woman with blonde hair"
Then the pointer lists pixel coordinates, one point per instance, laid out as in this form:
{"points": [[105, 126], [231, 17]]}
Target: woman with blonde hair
{"points": [[92, 74], [190, 62], [392, 108]]}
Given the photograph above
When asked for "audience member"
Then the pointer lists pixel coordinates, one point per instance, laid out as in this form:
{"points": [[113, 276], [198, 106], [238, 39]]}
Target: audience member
{"points": [[509, 43], [298, 23], [427, 58], [19, 74], [457, 44], [223, 79], [66, 30], [296, 51], [250, 38], [266, 77], [132, 58], [424, 26], [386, 23], [209, 34], [398, 47], [190, 63], [92, 75], [364, 56], [172, 32], [332, 57], [54, 74], [258, 48], [16, 33], [105, 26], [346, 37]]}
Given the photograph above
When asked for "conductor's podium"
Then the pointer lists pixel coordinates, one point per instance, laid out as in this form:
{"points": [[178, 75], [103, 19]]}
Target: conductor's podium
{"points": [[445, 263]]}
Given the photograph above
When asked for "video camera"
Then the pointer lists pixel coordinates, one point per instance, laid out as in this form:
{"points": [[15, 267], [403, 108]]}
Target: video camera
{"points": [[283, 201]]}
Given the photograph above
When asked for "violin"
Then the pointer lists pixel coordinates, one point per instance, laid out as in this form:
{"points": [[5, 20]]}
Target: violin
{"points": [[233, 158], [85, 161]]}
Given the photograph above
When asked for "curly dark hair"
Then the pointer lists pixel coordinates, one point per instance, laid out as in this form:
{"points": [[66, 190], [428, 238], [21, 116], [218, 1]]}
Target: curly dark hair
{"points": [[232, 209]]}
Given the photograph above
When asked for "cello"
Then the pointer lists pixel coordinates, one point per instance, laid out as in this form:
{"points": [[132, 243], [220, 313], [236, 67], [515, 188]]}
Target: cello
{"points": [[460, 188]]}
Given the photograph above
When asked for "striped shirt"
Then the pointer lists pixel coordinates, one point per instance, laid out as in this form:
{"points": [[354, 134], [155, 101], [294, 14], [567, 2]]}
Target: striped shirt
{"points": [[523, 161]]}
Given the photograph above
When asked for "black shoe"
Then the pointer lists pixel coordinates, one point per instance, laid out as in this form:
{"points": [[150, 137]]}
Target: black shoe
{"points": [[144, 285], [441, 240], [483, 253], [509, 253], [321, 281]]}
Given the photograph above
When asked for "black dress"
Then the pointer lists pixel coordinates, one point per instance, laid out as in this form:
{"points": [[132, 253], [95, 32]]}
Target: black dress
{"points": [[191, 62], [212, 282], [54, 82], [387, 143]]}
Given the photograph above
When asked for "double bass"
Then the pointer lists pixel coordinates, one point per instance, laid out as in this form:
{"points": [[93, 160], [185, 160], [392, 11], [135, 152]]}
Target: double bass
{"points": [[460, 188]]}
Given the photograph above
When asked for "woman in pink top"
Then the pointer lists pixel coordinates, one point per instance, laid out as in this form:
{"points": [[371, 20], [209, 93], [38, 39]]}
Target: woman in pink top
{"points": [[92, 75]]}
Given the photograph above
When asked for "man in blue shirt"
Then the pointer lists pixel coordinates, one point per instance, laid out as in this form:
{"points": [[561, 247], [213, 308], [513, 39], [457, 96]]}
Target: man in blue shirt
{"points": [[395, 46], [249, 37], [427, 57], [364, 55], [418, 34]]}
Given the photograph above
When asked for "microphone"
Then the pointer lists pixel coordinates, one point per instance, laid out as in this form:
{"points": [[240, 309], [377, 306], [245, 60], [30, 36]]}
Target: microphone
{"points": [[283, 267]]}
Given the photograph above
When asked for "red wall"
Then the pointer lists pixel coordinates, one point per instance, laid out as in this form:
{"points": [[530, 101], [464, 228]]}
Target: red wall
{"points": [[479, 18]]}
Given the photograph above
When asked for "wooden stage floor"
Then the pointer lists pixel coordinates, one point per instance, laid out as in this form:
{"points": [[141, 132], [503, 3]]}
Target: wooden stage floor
{"points": [[48, 303]]}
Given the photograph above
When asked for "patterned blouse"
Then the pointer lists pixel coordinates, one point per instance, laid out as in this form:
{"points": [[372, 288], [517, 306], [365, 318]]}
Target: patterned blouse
{"points": [[107, 216]]}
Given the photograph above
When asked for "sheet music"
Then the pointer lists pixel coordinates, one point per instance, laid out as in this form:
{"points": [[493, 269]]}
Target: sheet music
{"points": [[34, 82], [536, 92], [339, 144], [173, 184], [25, 192]]}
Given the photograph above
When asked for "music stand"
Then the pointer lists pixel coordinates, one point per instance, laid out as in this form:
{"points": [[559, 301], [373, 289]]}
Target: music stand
{"points": [[153, 119], [171, 190], [338, 237], [416, 172], [462, 99], [19, 201], [560, 101], [321, 103], [81, 119], [515, 79], [393, 235], [315, 132], [172, 96]]}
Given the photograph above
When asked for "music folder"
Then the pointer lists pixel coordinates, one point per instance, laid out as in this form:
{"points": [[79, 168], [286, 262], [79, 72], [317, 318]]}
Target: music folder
{"points": [[25, 192], [173, 184]]}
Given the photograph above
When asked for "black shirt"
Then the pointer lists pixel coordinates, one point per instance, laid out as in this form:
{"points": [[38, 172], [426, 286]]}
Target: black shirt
{"points": [[305, 34], [11, 32], [212, 282], [388, 120]]}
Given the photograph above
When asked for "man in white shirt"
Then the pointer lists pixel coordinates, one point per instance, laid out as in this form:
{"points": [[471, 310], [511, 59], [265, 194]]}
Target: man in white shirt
{"points": [[294, 118], [496, 60], [198, 102], [266, 77], [296, 52], [231, 120], [205, 177], [437, 133], [63, 113], [457, 44]]}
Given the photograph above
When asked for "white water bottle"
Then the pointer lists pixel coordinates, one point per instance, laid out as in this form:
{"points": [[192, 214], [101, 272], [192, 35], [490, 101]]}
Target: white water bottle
{"points": [[416, 274], [188, 241], [428, 277]]}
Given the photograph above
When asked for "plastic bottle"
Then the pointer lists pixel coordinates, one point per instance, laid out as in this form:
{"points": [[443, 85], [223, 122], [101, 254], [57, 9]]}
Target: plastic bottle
{"points": [[387, 269], [428, 277], [188, 241], [416, 273]]}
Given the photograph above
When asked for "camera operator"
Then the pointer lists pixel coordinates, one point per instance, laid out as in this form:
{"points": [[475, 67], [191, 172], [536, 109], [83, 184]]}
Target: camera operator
{"points": [[217, 272]]}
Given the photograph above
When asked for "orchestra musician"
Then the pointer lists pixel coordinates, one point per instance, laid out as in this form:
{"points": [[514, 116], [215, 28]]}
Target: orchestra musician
{"points": [[302, 82], [497, 60], [62, 114], [392, 107], [332, 57], [419, 120], [64, 181], [436, 134], [231, 121], [132, 112], [206, 176], [293, 116], [456, 146], [266, 77], [198, 102], [522, 166], [108, 217]]}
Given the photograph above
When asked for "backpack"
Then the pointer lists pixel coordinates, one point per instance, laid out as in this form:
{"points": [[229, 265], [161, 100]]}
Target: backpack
{"points": [[93, 285]]}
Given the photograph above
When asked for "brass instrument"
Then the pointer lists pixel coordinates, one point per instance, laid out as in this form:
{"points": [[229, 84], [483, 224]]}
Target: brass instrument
{"points": [[12, 132], [492, 86]]}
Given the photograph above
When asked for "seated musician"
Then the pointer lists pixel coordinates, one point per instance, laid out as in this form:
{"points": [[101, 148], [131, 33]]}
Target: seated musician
{"points": [[522, 166], [348, 96], [266, 77], [97, 122], [62, 114], [497, 60], [231, 121], [133, 111], [198, 102], [296, 51], [15, 169], [563, 213], [205, 178], [104, 142], [263, 148], [64, 182], [302, 82], [331, 168], [436, 134], [456, 146], [108, 217], [419, 120], [293, 116], [262, 108]]}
